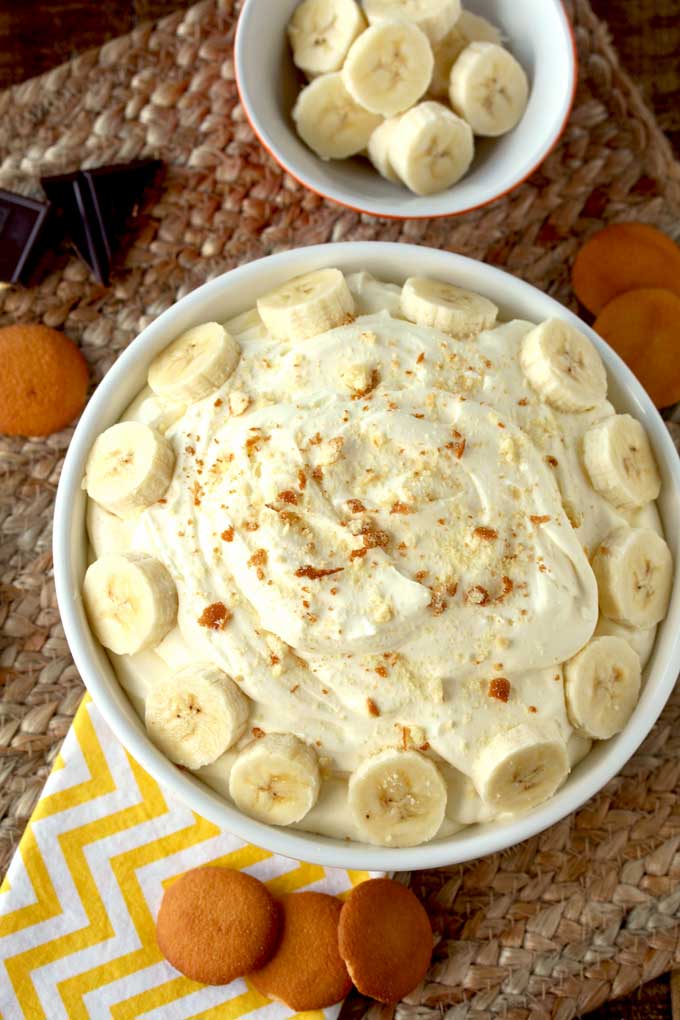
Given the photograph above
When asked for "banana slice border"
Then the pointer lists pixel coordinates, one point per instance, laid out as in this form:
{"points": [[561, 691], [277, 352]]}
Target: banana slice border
{"points": [[586, 704], [195, 715], [376, 790], [272, 754], [504, 778], [129, 467], [618, 581], [156, 593], [628, 478]]}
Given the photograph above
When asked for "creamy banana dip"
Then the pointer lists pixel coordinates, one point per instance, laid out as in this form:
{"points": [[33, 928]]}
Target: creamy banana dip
{"points": [[373, 563]]}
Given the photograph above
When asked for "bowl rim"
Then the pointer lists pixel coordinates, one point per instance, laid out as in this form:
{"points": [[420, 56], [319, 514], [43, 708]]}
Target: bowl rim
{"points": [[126, 725], [301, 178]]}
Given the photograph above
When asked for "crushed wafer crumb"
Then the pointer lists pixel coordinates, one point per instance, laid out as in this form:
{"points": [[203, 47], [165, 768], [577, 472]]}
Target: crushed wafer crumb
{"points": [[215, 616], [499, 688]]}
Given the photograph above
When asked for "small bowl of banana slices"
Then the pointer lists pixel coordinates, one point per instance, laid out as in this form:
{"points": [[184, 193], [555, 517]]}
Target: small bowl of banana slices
{"points": [[406, 108], [369, 553]]}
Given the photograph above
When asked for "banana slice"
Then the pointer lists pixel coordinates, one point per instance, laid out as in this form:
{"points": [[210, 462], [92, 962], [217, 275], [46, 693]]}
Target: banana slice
{"points": [[194, 364], [563, 367], [620, 462], [460, 313], [397, 798], [322, 31], [464, 806], [640, 639], [129, 467], [307, 305], [388, 68], [431, 148], [469, 28], [107, 532], [152, 411], [379, 149], [433, 17], [195, 715], [329, 121], [131, 601], [602, 687], [276, 779], [519, 769], [634, 569], [489, 88]]}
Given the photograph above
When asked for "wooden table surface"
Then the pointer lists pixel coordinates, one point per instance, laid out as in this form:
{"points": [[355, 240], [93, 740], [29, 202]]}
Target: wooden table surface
{"points": [[36, 35]]}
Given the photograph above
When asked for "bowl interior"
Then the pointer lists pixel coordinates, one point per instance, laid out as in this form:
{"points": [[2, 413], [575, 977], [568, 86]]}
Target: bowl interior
{"points": [[539, 36], [227, 296]]}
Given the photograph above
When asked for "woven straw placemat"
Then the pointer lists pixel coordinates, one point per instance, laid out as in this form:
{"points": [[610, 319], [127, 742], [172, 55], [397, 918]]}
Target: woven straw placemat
{"points": [[591, 908]]}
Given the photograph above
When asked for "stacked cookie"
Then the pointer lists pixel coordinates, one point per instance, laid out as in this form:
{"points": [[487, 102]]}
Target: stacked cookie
{"points": [[305, 949]]}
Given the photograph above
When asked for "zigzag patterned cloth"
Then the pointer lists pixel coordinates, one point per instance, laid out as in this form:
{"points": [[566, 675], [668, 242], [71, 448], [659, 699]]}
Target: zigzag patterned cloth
{"points": [[78, 904]]}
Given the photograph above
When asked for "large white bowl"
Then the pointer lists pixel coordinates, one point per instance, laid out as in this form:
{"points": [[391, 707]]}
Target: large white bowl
{"points": [[222, 298], [537, 32]]}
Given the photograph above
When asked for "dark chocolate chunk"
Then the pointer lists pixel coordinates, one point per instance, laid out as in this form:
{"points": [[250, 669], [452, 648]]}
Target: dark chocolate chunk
{"points": [[23, 225], [97, 205], [65, 192]]}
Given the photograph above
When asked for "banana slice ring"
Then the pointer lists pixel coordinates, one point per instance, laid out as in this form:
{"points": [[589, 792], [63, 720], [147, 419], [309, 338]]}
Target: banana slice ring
{"points": [[322, 31], [397, 798], [388, 68], [488, 88], [195, 364], [196, 715], [519, 769], [276, 779], [330, 121], [433, 17], [620, 462], [307, 305], [453, 310], [131, 601], [634, 569], [468, 28], [431, 148], [563, 367], [129, 468], [602, 686], [379, 149]]}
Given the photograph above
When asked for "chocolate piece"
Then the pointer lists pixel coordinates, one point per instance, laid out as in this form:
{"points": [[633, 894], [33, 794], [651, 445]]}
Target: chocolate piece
{"points": [[97, 205], [23, 223], [65, 192]]}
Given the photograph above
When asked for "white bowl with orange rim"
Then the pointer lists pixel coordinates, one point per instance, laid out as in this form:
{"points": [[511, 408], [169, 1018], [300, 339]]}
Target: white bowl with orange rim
{"points": [[538, 34]]}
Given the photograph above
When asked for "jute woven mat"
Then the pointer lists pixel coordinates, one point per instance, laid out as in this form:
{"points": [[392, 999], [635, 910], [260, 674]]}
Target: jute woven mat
{"points": [[588, 910]]}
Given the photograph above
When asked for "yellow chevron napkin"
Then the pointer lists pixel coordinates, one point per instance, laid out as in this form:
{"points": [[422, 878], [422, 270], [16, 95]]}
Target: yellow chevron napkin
{"points": [[78, 905]]}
